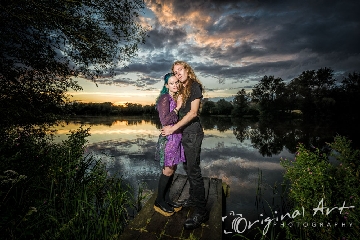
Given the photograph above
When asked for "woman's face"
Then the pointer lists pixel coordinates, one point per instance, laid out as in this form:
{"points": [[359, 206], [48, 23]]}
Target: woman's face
{"points": [[180, 73], [173, 84]]}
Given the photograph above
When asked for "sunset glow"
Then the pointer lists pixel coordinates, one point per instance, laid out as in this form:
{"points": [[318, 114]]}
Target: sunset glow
{"points": [[232, 45]]}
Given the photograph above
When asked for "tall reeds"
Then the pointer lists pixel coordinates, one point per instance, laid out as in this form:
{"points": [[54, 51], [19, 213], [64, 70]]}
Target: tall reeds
{"points": [[53, 191]]}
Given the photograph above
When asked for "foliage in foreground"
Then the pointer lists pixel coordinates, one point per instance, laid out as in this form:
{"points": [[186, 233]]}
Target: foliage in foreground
{"points": [[50, 191], [325, 194]]}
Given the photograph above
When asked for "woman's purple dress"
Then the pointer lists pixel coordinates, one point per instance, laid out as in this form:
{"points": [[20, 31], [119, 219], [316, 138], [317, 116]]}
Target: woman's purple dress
{"points": [[172, 149]]}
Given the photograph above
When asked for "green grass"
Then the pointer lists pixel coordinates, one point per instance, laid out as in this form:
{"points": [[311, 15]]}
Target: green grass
{"points": [[53, 191]]}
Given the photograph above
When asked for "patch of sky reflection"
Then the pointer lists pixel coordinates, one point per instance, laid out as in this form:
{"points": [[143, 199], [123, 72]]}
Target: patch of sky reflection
{"points": [[128, 149]]}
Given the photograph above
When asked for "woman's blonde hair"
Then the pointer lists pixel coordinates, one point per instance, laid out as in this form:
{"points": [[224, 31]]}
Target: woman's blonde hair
{"points": [[186, 91]]}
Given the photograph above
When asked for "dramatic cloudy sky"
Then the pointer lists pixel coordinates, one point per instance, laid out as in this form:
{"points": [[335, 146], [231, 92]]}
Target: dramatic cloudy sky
{"points": [[232, 44]]}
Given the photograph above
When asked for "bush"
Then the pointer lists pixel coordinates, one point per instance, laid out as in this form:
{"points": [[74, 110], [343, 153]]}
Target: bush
{"points": [[318, 190], [51, 191]]}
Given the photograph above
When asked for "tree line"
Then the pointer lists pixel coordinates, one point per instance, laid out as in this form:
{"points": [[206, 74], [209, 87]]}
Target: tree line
{"points": [[109, 109], [313, 95]]}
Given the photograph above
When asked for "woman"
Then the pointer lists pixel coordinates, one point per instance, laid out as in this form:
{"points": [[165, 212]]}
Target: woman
{"points": [[191, 91], [169, 150]]}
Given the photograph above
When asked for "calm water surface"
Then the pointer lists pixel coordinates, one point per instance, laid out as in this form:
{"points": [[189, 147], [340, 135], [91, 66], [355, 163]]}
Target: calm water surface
{"points": [[244, 154], [127, 146]]}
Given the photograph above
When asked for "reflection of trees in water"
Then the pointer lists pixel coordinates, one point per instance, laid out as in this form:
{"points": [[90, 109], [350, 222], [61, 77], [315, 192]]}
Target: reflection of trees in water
{"points": [[266, 141], [109, 121], [134, 122], [156, 121], [271, 136], [215, 122], [268, 135], [242, 128], [95, 121]]}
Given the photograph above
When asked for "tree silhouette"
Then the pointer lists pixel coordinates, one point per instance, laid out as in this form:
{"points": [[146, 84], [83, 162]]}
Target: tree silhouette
{"points": [[208, 108], [241, 103], [44, 43], [312, 91], [223, 107], [269, 93]]}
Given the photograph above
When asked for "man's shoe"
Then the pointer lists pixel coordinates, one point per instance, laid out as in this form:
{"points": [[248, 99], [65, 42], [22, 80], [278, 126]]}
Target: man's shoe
{"points": [[177, 206], [188, 203], [196, 220], [165, 210]]}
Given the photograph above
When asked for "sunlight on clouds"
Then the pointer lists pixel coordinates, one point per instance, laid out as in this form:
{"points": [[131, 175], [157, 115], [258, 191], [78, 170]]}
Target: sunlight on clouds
{"points": [[167, 13], [230, 44], [269, 58], [108, 94], [146, 22], [162, 11], [195, 22]]}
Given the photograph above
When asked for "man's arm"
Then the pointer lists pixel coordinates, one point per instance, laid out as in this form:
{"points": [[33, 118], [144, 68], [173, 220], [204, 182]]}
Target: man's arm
{"points": [[195, 105]]}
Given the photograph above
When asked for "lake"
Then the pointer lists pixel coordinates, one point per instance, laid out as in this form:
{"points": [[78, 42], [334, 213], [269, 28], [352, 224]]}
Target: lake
{"points": [[244, 154]]}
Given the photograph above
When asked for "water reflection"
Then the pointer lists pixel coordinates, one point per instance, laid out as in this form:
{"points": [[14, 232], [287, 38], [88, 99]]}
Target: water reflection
{"points": [[128, 146], [271, 137], [109, 128], [238, 151]]}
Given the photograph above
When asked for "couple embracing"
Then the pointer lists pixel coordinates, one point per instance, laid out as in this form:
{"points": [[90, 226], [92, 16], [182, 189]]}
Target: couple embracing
{"points": [[180, 141]]}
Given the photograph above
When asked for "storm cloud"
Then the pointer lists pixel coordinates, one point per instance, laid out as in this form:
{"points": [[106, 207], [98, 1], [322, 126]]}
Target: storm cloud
{"points": [[233, 44]]}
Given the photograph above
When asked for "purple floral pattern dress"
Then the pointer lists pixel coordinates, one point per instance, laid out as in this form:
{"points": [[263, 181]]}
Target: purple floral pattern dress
{"points": [[169, 149]]}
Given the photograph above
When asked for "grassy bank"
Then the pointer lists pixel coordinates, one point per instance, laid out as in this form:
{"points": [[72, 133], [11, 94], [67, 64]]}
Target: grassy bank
{"points": [[53, 191], [320, 199]]}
